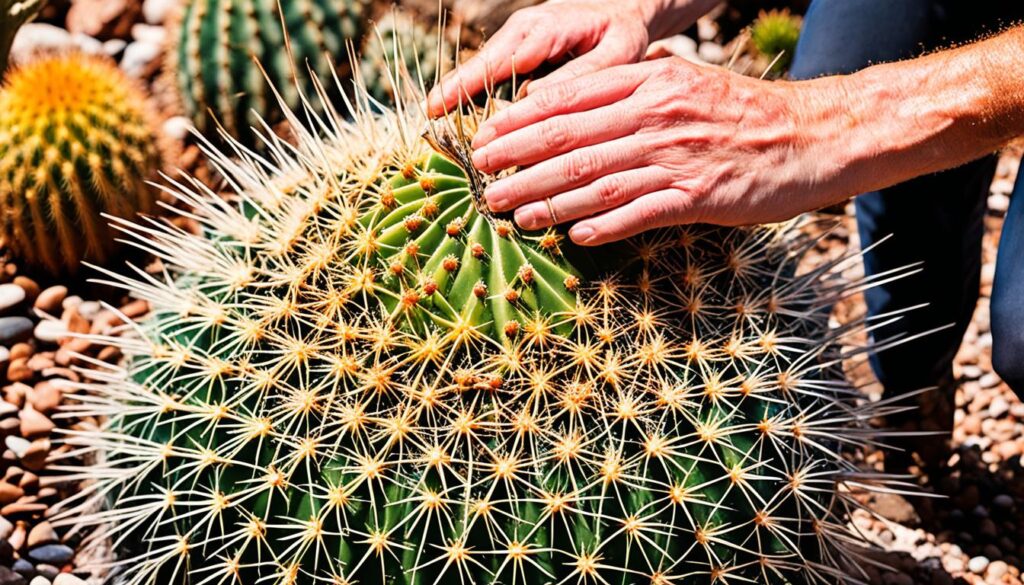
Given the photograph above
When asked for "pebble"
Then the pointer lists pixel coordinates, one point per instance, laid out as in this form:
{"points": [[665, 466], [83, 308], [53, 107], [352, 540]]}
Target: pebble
{"points": [[9, 577], [157, 11], [45, 396], [18, 445], [138, 56], [10, 295], [60, 554], [711, 53], [35, 455], [998, 407], [113, 47], [989, 380], [14, 329], [10, 493], [67, 579], [24, 568], [996, 570], [6, 528], [5, 354], [977, 565], [998, 203], [177, 127], [34, 424], [51, 330], [42, 533], [39, 580], [48, 571], [49, 300], [148, 33]]}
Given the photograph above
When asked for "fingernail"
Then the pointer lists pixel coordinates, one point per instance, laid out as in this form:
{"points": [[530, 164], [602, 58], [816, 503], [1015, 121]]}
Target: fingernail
{"points": [[480, 159], [581, 234], [526, 217], [496, 200], [483, 136]]}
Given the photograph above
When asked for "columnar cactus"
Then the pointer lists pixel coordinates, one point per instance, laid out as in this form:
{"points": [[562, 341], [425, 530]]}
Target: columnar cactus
{"points": [[224, 53], [75, 142], [399, 43], [357, 374], [13, 14]]}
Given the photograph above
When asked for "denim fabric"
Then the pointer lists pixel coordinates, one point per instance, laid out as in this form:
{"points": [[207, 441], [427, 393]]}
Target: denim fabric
{"points": [[937, 219]]}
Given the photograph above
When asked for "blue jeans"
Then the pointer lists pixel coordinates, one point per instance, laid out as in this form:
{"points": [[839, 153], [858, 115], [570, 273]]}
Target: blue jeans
{"points": [[937, 219]]}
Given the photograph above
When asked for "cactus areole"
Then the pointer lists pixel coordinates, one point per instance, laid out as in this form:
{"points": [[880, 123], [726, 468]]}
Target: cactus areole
{"points": [[356, 375]]}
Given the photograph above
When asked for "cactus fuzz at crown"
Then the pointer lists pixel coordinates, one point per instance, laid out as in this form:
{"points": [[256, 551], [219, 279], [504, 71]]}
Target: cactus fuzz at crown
{"points": [[75, 142], [357, 375]]}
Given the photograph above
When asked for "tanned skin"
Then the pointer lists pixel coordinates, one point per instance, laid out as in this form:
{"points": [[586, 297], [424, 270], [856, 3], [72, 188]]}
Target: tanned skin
{"points": [[622, 145]]}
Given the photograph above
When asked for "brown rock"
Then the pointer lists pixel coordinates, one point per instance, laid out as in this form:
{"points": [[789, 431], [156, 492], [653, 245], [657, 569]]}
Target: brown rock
{"points": [[50, 299], [103, 19], [13, 474], [29, 286], [9, 426], [135, 309], [75, 321], [18, 370], [47, 493], [972, 424], [18, 537], [42, 533], [27, 506], [29, 481], [41, 361], [15, 393], [35, 457], [34, 424], [63, 373], [9, 493], [45, 397], [21, 350], [77, 345], [110, 354]]}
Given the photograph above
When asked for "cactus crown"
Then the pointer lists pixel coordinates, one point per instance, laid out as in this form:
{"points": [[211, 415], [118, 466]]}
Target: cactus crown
{"points": [[774, 35], [75, 142], [354, 374]]}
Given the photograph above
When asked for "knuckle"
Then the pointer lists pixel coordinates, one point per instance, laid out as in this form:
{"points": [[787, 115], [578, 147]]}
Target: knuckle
{"points": [[654, 213], [552, 98], [578, 167], [557, 137], [612, 191]]}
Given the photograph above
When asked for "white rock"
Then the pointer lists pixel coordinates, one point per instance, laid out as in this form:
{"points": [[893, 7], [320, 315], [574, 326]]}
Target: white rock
{"points": [[177, 127], [18, 445], [50, 330], [989, 380], [87, 44], [995, 571], [89, 309], [137, 57], [711, 52], [998, 202], [1002, 186], [707, 28], [157, 11], [5, 354], [977, 565], [36, 36], [148, 33], [678, 45], [39, 580], [6, 528], [10, 295], [114, 46], [67, 579], [71, 302], [998, 407]]}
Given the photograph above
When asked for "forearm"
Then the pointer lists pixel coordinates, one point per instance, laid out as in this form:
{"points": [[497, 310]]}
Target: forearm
{"points": [[897, 121]]}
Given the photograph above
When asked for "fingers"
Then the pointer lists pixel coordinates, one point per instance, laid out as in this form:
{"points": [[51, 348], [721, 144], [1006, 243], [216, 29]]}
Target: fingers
{"points": [[581, 94], [512, 47], [613, 50], [557, 135], [605, 193], [563, 173], [659, 209]]}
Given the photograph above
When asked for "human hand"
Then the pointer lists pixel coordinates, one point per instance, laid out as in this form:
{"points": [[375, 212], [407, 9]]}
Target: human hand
{"points": [[665, 142], [595, 33]]}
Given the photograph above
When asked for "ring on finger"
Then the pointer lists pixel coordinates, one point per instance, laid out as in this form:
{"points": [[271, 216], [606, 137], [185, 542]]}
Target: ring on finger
{"points": [[551, 211]]}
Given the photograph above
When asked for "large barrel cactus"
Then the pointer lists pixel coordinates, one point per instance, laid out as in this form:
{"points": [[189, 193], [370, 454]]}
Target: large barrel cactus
{"points": [[228, 58], [355, 373], [76, 141]]}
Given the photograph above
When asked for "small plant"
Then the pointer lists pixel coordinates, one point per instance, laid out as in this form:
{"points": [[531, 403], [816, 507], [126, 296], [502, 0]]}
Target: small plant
{"points": [[399, 43], [75, 142], [13, 14], [224, 53], [774, 35], [357, 373]]}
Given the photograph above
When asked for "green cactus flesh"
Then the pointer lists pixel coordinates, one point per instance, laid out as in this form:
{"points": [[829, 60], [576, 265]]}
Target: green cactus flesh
{"points": [[229, 56], [356, 375]]}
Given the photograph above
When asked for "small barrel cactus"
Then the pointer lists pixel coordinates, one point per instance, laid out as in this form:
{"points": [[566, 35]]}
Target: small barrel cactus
{"points": [[13, 14], [355, 373], [400, 43], [75, 142], [774, 35], [223, 54]]}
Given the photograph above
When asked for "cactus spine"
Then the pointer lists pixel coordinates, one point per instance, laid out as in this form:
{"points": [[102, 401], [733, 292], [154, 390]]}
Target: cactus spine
{"points": [[217, 41], [15, 13], [400, 43], [356, 374], [75, 142]]}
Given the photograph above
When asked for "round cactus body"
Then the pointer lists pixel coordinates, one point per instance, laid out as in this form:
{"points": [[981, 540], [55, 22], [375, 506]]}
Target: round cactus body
{"points": [[357, 374], [399, 43], [224, 52], [774, 35], [75, 142]]}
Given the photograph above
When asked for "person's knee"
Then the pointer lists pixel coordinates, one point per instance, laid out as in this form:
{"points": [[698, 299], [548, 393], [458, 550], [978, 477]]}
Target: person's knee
{"points": [[1008, 347]]}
